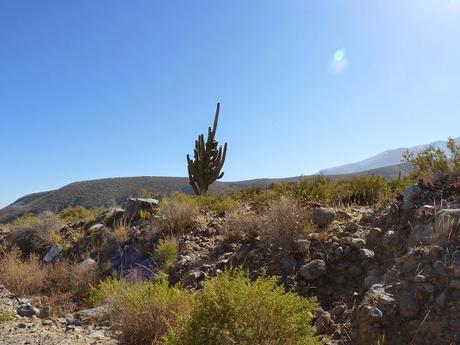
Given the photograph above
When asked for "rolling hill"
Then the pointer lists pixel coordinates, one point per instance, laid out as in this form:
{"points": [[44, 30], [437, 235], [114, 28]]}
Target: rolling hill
{"points": [[114, 191]]}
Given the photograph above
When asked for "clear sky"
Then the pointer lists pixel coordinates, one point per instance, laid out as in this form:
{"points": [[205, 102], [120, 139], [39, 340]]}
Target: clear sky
{"points": [[92, 89]]}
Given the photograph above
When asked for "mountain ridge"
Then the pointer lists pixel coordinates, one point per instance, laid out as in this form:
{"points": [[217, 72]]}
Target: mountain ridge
{"points": [[380, 160], [114, 191]]}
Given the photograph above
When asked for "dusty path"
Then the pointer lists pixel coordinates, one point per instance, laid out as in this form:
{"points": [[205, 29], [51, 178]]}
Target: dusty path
{"points": [[52, 331]]}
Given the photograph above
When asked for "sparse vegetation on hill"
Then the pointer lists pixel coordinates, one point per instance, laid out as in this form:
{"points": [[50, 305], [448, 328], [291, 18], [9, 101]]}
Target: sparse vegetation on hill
{"points": [[434, 161]]}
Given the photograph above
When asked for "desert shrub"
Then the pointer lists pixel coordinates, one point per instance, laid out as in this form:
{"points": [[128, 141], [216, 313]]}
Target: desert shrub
{"points": [[142, 312], [23, 277], [243, 225], [25, 218], [37, 234], [432, 161], [359, 190], [177, 213], [284, 223], [234, 310], [5, 316], [216, 202], [68, 281], [76, 214], [166, 253]]}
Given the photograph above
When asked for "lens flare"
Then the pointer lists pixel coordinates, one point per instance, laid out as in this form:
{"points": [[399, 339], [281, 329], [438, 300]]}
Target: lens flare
{"points": [[339, 55]]}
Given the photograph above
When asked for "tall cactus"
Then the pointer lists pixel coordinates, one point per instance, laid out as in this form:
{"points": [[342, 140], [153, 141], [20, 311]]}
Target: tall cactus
{"points": [[208, 160]]}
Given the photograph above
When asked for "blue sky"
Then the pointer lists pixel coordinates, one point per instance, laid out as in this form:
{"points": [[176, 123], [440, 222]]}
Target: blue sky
{"points": [[92, 89]]}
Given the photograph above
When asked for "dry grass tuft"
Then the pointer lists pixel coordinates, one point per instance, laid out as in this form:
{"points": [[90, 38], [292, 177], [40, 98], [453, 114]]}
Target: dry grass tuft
{"points": [[243, 225], [285, 222], [121, 232], [177, 214], [62, 285], [25, 278]]}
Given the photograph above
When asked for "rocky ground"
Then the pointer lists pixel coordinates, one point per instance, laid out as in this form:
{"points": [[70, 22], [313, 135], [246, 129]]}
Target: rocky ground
{"points": [[383, 275], [30, 326]]}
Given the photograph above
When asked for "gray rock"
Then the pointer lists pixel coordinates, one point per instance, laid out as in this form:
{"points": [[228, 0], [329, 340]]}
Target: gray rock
{"points": [[351, 226], [358, 243], [313, 270], [135, 205], [53, 253], [367, 253], [110, 216], [339, 252], [96, 228], [88, 264], [288, 264], [92, 315], [323, 323], [439, 268], [419, 278], [323, 216], [27, 310], [383, 296], [367, 215], [375, 313], [411, 197], [190, 279]]}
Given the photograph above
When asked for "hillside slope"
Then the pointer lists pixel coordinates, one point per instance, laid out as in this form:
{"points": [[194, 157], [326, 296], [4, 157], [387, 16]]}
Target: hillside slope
{"points": [[114, 191], [110, 192]]}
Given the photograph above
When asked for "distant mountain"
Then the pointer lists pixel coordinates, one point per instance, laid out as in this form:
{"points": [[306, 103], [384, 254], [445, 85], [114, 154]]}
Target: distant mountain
{"points": [[384, 159]]}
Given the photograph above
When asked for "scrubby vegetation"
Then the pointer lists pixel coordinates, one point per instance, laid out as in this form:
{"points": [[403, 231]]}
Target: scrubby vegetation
{"points": [[434, 161], [231, 309], [77, 214], [177, 213], [166, 253], [5, 316], [32, 233], [63, 285]]}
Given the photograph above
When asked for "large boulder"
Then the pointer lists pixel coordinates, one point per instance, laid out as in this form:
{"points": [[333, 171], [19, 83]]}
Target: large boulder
{"points": [[110, 216], [53, 253], [323, 216], [135, 205], [313, 270], [446, 225]]}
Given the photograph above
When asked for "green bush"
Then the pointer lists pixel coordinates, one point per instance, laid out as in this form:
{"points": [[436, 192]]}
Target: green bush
{"points": [[166, 253], [359, 190], [234, 310], [77, 214], [142, 312], [231, 309], [434, 161], [5, 316]]}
